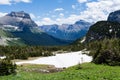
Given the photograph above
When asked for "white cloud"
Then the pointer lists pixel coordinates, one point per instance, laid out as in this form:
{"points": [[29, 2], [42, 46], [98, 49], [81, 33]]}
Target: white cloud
{"points": [[26, 1], [82, 1], [99, 10], [69, 20], [58, 9], [95, 11], [61, 20], [73, 6], [45, 21], [5, 2], [2, 14], [61, 15], [9, 2]]}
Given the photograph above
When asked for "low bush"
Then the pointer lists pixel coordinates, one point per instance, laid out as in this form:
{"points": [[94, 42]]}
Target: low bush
{"points": [[106, 52], [7, 67]]}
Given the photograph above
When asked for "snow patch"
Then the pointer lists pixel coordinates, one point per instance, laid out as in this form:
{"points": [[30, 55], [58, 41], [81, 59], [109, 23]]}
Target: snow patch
{"points": [[110, 30], [2, 57], [83, 40], [61, 60], [10, 27]]}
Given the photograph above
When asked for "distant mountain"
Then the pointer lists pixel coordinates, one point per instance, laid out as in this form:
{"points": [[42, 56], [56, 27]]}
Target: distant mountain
{"points": [[23, 29], [66, 31], [114, 16]]}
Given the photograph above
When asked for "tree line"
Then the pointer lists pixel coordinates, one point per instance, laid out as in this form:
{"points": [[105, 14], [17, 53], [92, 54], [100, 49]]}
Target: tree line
{"points": [[105, 51], [23, 52]]}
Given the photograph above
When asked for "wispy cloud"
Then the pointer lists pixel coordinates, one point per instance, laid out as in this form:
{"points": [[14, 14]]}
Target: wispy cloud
{"points": [[61, 15], [9, 2], [58, 9], [25, 1], [82, 1], [60, 20], [5, 2], [73, 6], [45, 21]]}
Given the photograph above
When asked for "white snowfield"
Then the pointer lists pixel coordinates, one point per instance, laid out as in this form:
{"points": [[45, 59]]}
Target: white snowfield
{"points": [[61, 60], [2, 57]]}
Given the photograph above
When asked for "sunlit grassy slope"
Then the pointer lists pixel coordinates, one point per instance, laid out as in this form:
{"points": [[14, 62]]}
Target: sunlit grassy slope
{"points": [[88, 71]]}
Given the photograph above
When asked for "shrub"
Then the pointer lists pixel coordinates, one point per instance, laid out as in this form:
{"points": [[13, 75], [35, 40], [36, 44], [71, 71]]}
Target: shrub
{"points": [[107, 52], [7, 67]]}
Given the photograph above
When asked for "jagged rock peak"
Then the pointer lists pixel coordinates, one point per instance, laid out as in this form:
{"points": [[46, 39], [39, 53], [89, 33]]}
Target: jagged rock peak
{"points": [[20, 14], [114, 16]]}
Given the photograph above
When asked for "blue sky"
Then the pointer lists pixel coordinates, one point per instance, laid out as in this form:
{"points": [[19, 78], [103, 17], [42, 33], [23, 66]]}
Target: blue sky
{"points": [[46, 12]]}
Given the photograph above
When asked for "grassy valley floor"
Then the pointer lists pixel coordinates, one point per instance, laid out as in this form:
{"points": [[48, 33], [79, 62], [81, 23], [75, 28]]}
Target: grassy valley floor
{"points": [[86, 71]]}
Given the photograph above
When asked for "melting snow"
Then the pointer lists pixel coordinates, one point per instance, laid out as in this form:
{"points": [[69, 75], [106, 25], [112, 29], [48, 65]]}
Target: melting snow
{"points": [[2, 57], [61, 60], [83, 39], [110, 30]]}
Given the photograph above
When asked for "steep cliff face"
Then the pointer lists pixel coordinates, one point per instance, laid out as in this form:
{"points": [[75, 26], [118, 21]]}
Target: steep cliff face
{"points": [[103, 29], [114, 16]]}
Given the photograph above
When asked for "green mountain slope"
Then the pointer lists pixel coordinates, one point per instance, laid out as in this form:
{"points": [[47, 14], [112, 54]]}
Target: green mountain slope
{"points": [[37, 38], [4, 33], [6, 38], [103, 29]]}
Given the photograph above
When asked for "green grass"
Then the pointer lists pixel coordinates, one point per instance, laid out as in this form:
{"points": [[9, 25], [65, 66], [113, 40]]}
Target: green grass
{"points": [[18, 42], [89, 71], [5, 33]]}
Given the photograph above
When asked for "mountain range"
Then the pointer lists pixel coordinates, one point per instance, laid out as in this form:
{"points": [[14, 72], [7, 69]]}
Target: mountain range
{"points": [[69, 32], [17, 28], [23, 30]]}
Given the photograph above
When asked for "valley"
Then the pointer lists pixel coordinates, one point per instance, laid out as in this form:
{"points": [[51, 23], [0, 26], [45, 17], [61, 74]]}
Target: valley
{"points": [[62, 41]]}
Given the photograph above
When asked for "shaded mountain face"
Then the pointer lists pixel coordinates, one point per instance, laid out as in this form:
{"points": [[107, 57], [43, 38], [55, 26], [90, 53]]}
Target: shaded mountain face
{"points": [[114, 16], [24, 29], [66, 31], [103, 29]]}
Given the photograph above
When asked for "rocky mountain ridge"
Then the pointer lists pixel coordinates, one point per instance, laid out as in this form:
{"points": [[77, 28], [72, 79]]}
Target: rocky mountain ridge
{"points": [[67, 31], [21, 26]]}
